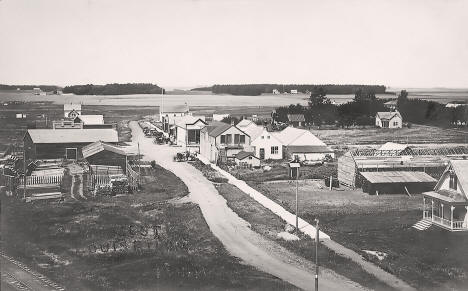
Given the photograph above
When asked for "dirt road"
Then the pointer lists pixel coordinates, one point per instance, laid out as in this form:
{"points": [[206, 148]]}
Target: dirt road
{"points": [[234, 232]]}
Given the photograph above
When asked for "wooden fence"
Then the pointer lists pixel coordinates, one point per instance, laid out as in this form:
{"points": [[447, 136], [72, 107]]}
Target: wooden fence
{"points": [[98, 180], [133, 178], [46, 179]]}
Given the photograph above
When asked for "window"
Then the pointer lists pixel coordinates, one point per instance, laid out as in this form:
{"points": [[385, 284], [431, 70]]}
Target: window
{"points": [[242, 139], [395, 123], [228, 138], [250, 158], [453, 181], [274, 150], [223, 139], [236, 139]]}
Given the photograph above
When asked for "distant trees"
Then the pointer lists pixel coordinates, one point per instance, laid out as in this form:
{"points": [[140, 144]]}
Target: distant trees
{"points": [[114, 89], [45, 88], [258, 89], [230, 119], [362, 95], [318, 97]]}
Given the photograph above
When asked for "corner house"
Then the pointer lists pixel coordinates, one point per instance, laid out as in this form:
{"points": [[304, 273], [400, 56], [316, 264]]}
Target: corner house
{"points": [[64, 143]]}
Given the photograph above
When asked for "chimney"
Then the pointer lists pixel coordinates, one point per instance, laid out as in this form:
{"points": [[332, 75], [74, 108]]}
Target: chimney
{"points": [[232, 121]]}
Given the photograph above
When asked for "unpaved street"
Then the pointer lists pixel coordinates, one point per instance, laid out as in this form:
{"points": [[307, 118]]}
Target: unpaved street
{"points": [[233, 231]]}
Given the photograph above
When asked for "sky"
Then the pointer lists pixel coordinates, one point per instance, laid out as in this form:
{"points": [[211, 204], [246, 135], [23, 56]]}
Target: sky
{"points": [[181, 43]]}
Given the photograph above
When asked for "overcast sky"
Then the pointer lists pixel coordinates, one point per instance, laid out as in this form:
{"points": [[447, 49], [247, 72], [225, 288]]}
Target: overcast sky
{"points": [[407, 43]]}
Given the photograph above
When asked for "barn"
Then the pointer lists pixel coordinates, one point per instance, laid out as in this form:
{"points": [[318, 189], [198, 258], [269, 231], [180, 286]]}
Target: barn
{"points": [[63, 143], [397, 182]]}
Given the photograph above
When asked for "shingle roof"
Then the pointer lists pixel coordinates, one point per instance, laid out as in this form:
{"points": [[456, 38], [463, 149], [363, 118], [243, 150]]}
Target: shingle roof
{"points": [[309, 149], [73, 135], [388, 115], [176, 109], [217, 130], [91, 119], [296, 117], [242, 155]]}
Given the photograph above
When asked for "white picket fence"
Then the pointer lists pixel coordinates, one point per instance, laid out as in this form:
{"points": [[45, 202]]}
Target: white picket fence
{"points": [[99, 180], [47, 179]]}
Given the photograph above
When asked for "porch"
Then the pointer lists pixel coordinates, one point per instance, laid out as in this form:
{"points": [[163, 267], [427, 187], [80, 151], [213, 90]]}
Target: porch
{"points": [[449, 215]]}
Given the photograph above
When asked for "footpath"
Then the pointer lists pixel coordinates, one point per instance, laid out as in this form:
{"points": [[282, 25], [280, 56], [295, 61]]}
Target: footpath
{"points": [[310, 230]]}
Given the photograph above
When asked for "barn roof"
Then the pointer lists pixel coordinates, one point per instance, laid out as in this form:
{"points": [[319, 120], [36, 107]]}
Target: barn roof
{"points": [[388, 115], [73, 135], [91, 119], [309, 149], [296, 136], [296, 117], [242, 155], [99, 146], [253, 130], [397, 177]]}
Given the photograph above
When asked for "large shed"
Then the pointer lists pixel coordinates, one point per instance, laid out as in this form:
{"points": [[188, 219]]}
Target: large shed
{"points": [[391, 182], [101, 153], [64, 143]]}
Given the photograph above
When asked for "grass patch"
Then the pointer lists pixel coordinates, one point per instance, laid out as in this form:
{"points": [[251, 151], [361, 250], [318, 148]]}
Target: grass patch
{"points": [[434, 259], [133, 242], [269, 225]]}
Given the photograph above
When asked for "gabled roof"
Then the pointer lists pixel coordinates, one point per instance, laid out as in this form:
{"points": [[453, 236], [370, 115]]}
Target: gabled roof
{"points": [[388, 115], [391, 102], [218, 129], [448, 196], [182, 121], [91, 119], [461, 170], [296, 117], [73, 135], [99, 146], [176, 109], [245, 123], [253, 130], [296, 136], [242, 155], [309, 149]]}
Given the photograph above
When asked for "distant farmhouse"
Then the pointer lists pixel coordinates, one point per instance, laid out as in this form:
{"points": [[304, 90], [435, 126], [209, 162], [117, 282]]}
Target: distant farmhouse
{"points": [[71, 110], [168, 113], [389, 120], [294, 92], [391, 105], [276, 91], [296, 120]]}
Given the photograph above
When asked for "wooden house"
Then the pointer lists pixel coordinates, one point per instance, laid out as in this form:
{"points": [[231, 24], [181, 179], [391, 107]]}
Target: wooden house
{"points": [[389, 120], [447, 205], [222, 141], [169, 112], [63, 143], [267, 146], [296, 120], [71, 110], [185, 131], [247, 160]]}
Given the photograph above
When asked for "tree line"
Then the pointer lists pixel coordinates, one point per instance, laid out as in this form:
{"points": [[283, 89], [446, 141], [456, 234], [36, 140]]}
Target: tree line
{"points": [[362, 109], [45, 88], [258, 89], [114, 89]]}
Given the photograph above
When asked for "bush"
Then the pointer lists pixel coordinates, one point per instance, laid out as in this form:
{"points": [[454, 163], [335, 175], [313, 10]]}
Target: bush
{"points": [[153, 164]]}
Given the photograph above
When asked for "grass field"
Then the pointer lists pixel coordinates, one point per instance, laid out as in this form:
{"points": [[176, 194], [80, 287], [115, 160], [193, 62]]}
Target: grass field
{"points": [[417, 134], [144, 241], [434, 259]]}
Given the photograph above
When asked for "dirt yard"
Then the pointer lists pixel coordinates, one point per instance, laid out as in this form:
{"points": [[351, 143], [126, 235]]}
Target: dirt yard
{"points": [[153, 239], [429, 260]]}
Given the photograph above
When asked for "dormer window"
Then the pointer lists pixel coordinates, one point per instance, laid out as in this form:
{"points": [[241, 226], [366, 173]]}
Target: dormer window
{"points": [[453, 181]]}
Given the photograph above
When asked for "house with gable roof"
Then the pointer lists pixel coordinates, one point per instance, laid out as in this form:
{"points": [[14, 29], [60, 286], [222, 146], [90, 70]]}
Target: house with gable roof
{"points": [[447, 205], [389, 119]]}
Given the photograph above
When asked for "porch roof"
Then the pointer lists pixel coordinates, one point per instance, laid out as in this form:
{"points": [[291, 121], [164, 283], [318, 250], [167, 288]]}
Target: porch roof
{"points": [[448, 196]]}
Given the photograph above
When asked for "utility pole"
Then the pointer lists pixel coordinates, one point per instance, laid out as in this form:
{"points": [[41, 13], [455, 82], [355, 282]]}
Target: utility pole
{"points": [[24, 170], [317, 241], [139, 166], [297, 208]]}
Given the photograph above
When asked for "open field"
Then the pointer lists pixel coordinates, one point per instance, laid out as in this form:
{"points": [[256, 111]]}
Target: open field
{"points": [[434, 259], [146, 241], [417, 134]]}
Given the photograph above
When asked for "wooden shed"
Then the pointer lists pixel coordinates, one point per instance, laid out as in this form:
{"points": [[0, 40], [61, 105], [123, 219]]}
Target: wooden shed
{"points": [[64, 143], [397, 182], [101, 153]]}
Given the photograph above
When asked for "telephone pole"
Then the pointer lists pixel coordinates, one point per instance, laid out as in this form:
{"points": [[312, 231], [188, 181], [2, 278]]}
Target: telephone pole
{"points": [[317, 241]]}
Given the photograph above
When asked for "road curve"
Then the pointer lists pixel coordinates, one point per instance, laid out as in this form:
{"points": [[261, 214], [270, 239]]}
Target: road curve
{"points": [[233, 231]]}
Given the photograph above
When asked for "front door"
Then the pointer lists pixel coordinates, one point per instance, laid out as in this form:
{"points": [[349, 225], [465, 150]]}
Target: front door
{"points": [[262, 154], [385, 123]]}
